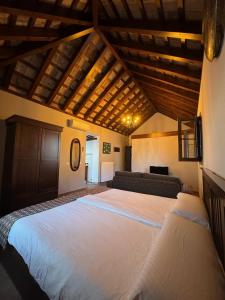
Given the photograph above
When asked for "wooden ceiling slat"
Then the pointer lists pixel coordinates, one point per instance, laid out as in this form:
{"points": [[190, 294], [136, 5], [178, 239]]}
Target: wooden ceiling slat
{"points": [[95, 11], [160, 33], [163, 88], [87, 77], [178, 113], [144, 108], [8, 75], [170, 82], [120, 102], [106, 91], [117, 94], [160, 10], [169, 69], [41, 72], [142, 9], [82, 103], [30, 50], [136, 108], [45, 11], [68, 70], [107, 42], [192, 57], [179, 104], [127, 9], [21, 33]]}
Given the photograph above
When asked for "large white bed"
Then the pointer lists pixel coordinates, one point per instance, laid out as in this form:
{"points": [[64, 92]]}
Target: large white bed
{"points": [[122, 245]]}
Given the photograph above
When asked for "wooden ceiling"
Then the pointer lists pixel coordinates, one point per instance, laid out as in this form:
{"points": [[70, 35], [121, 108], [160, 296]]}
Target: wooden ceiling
{"points": [[98, 60]]}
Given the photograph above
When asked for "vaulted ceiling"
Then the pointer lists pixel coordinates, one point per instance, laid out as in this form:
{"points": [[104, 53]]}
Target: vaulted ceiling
{"points": [[99, 60]]}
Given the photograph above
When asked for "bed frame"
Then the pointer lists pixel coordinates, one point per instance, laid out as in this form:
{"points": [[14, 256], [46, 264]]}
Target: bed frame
{"points": [[214, 198]]}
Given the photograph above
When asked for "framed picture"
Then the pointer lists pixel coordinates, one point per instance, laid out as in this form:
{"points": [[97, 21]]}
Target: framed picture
{"points": [[106, 148]]}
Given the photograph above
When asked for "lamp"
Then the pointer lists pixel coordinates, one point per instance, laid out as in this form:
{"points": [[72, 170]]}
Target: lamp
{"points": [[130, 120]]}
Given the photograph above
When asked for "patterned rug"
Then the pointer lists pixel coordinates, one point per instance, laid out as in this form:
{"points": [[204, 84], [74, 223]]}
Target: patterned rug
{"points": [[7, 221]]}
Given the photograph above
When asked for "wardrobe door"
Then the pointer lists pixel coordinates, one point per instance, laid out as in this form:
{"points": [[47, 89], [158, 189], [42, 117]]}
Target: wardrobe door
{"points": [[26, 165], [49, 164]]}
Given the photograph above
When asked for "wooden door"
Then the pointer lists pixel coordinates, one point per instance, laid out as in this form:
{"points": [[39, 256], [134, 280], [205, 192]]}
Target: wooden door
{"points": [[49, 166]]}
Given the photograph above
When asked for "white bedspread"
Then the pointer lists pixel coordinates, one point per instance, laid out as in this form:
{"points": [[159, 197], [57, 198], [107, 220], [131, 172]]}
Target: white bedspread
{"points": [[84, 251]]}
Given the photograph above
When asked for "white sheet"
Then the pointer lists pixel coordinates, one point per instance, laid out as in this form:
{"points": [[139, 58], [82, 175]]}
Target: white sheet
{"points": [[80, 251], [183, 265]]}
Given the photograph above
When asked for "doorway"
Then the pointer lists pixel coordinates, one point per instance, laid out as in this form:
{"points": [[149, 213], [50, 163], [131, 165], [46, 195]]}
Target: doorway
{"points": [[92, 159]]}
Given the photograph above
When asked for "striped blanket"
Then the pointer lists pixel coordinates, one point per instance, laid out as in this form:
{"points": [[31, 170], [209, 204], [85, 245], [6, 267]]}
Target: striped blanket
{"points": [[7, 221]]}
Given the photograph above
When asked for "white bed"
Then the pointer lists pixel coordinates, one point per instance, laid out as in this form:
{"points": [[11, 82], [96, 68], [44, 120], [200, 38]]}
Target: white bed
{"points": [[103, 247]]}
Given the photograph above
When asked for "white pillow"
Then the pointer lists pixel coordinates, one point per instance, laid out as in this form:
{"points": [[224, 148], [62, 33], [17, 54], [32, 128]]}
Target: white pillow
{"points": [[191, 208], [182, 265]]}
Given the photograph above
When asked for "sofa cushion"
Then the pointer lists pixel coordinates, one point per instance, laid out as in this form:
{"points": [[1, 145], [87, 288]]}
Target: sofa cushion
{"points": [[128, 174], [147, 186], [162, 177]]}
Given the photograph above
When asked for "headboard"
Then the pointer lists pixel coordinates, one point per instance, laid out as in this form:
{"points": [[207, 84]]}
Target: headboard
{"points": [[214, 198]]}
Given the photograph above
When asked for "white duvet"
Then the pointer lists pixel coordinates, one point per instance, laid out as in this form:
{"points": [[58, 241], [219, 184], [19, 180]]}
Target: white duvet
{"points": [[84, 250], [115, 245]]}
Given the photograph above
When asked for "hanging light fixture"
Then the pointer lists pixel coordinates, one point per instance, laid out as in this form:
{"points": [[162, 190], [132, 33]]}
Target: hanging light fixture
{"points": [[130, 120]]}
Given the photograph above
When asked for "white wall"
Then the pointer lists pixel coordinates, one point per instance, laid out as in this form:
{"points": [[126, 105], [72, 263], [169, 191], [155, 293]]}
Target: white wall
{"points": [[162, 151], [212, 110], [68, 180], [92, 158]]}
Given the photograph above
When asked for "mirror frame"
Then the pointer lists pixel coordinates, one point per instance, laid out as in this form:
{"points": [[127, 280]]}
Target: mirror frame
{"points": [[76, 140]]}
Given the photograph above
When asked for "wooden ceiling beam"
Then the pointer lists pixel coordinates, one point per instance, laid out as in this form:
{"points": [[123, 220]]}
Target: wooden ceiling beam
{"points": [[152, 32], [170, 82], [158, 94], [86, 99], [169, 69], [123, 110], [106, 91], [113, 50], [117, 94], [164, 89], [30, 50], [175, 111], [45, 11], [41, 72], [66, 73], [142, 111], [127, 9], [21, 33], [193, 57], [121, 102], [95, 11], [170, 102], [85, 78]]}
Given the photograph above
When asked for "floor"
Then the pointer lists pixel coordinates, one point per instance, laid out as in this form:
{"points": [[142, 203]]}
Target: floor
{"points": [[8, 290]]}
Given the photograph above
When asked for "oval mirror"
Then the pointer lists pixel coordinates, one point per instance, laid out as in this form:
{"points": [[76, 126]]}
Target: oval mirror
{"points": [[75, 153]]}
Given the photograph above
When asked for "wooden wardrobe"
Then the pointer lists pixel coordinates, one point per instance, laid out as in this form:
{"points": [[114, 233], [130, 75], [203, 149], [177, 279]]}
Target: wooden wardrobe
{"points": [[31, 163]]}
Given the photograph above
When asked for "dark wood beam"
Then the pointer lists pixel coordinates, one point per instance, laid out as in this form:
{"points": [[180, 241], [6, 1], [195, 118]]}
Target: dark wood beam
{"points": [[66, 73], [117, 94], [142, 9], [171, 103], [85, 78], [8, 75], [163, 88], [123, 109], [152, 32], [26, 50], [21, 33], [169, 69], [188, 56], [174, 112], [44, 11], [121, 102], [106, 91], [127, 9], [107, 42], [173, 82], [85, 100], [41, 72], [95, 11]]}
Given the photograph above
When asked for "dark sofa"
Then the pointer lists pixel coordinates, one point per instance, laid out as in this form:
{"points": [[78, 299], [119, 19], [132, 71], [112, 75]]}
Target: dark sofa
{"points": [[154, 184]]}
